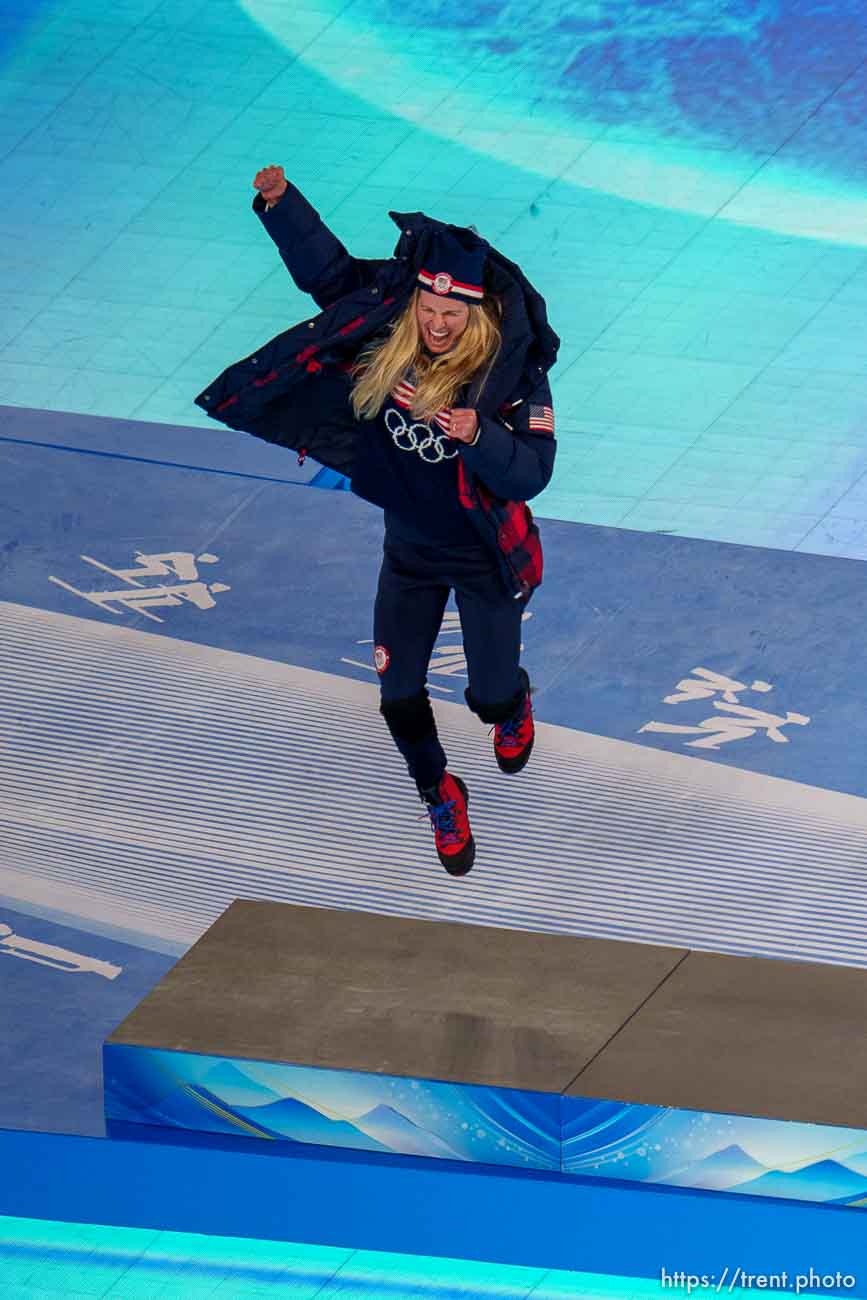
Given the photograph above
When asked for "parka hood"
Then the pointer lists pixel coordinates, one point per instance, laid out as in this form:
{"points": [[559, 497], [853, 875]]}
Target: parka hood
{"points": [[529, 344]]}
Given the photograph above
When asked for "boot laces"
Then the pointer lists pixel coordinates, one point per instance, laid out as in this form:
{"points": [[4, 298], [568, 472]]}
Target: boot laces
{"points": [[442, 820], [507, 732]]}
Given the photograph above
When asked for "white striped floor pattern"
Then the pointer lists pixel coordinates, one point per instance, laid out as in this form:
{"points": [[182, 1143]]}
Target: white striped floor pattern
{"points": [[147, 781]]}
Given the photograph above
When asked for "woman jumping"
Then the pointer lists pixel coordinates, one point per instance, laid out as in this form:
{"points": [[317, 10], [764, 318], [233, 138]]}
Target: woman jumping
{"points": [[423, 378]]}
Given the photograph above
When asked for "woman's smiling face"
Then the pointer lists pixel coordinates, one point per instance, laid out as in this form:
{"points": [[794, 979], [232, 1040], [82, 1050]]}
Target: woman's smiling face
{"points": [[441, 321]]}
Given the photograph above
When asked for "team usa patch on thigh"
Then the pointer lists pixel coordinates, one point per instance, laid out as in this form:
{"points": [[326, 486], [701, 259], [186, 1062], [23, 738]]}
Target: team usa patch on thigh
{"points": [[381, 659]]}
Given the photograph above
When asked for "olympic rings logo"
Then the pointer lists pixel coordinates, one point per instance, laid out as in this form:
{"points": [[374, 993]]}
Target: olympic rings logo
{"points": [[418, 437]]}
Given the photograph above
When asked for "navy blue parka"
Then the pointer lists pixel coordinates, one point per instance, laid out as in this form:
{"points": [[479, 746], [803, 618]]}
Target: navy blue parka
{"points": [[295, 390]]}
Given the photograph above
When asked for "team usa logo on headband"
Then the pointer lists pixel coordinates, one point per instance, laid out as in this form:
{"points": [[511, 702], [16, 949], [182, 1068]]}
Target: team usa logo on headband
{"points": [[443, 283]]}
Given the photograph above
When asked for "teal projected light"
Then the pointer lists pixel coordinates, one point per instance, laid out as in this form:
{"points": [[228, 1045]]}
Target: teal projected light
{"points": [[685, 182], [505, 99], [41, 1258]]}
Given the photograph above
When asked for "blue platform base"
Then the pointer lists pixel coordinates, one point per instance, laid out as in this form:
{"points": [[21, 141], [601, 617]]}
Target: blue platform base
{"points": [[301, 1106], [424, 1208]]}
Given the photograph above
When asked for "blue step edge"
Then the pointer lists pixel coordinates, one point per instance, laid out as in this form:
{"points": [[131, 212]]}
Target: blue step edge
{"points": [[329, 478], [420, 1207]]}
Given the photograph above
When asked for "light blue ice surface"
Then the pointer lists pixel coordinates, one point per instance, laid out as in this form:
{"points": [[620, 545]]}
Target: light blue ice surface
{"points": [[685, 184], [44, 1260]]}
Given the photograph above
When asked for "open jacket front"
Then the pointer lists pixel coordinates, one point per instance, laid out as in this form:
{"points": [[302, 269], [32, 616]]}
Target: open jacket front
{"points": [[295, 390]]}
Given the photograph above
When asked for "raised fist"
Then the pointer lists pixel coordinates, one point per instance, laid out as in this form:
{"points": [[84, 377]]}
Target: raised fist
{"points": [[271, 183]]}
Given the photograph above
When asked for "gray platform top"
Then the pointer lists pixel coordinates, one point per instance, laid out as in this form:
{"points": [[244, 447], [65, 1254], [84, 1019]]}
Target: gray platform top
{"points": [[748, 1036], [389, 995]]}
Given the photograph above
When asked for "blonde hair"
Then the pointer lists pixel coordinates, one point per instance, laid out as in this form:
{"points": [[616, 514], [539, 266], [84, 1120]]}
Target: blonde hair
{"points": [[438, 380]]}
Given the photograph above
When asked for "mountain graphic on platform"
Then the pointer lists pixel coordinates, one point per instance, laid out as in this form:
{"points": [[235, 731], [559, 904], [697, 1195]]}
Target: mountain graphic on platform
{"points": [[857, 1163], [718, 1172], [235, 1088], [192, 1107], [135, 1106], [827, 1180], [299, 1122], [402, 1135]]}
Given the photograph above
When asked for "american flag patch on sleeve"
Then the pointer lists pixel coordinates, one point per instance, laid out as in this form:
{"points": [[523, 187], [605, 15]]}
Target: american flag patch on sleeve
{"points": [[542, 419]]}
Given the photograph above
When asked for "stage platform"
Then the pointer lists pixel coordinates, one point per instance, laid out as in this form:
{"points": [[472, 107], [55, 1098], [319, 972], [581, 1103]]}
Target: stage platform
{"points": [[487, 1046], [182, 741]]}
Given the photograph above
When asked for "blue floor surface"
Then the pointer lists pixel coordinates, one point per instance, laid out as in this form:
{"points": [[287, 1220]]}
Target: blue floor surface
{"points": [[157, 764], [621, 619]]}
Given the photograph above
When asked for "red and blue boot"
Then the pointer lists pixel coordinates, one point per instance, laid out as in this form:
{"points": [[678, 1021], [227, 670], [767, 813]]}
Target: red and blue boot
{"points": [[513, 739], [447, 808]]}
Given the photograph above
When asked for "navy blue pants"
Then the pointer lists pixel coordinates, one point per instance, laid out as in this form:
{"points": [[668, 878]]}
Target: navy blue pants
{"points": [[414, 586]]}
